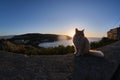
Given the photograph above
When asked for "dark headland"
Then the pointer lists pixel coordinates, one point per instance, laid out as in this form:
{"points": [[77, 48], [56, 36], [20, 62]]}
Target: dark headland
{"points": [[37, 38]]}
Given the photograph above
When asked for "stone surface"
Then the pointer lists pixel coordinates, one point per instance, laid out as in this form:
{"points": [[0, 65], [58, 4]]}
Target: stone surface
{"points": [[114, 33], [42, 67], [112, 51], [89, 67], [60, 67]]}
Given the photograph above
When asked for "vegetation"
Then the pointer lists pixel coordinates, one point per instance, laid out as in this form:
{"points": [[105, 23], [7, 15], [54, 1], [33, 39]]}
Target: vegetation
{"points": [[6, 45], [60, 50], [104, 41]]}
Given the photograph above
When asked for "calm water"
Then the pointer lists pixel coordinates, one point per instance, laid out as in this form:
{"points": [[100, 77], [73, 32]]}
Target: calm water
{"points": [[65, 43]]}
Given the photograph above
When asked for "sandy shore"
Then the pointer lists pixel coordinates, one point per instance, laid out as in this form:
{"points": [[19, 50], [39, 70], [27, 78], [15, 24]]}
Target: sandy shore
{"points": [[42, 67]]}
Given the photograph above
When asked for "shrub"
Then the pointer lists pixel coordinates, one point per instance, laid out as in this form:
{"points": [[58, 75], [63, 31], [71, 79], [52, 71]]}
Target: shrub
{"points": [[60, 50], [104, 41], [6, 45]]}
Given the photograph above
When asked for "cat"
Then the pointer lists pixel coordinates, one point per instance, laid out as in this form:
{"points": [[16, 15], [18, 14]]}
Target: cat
{"points": [[82, 45]]}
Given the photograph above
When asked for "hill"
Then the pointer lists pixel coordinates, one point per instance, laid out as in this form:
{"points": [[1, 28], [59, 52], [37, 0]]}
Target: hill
{"points": [[6, 45], [6, 37], [36, 38]]}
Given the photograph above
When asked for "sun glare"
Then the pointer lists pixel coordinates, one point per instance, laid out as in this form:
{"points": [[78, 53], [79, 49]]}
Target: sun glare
{"points": [[71, 34]]}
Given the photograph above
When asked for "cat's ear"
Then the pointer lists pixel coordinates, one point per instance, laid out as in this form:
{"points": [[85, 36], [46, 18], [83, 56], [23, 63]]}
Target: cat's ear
{"points": [[76, 30]]}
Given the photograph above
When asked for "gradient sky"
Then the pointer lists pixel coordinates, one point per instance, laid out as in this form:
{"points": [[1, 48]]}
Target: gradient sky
{"points": [[58, 16]]}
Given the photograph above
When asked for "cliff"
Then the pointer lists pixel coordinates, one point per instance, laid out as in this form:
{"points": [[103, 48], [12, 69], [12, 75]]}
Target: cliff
{"points": [[114, 33]]}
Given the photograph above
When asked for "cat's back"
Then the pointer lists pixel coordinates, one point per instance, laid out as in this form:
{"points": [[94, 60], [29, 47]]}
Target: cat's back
{"points": [[86, 40]]}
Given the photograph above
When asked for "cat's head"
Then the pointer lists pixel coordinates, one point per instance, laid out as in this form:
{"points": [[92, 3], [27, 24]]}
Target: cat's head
{"points": [[79, 32]]}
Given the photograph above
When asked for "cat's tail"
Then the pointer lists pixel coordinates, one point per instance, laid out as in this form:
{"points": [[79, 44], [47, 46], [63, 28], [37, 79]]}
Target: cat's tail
{"points": [[96, 53]]}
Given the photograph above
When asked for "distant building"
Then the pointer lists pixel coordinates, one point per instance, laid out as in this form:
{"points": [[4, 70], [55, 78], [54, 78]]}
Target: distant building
{"points": [[114, 33]]}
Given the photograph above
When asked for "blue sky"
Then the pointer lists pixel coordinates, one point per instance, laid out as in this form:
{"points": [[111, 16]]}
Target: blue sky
{"points": [[58, 16]]}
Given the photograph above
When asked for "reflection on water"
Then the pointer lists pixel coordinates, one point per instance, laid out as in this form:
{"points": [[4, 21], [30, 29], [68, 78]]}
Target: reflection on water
{"points": [[63, 42], [56, 43]]}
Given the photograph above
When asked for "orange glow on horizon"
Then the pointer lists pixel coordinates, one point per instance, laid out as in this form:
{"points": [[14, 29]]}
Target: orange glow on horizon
{"points": [[93, 35], [71, 34]]}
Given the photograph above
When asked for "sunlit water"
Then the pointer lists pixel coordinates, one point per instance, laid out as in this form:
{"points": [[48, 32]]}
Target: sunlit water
{"points": [[64, 43]]}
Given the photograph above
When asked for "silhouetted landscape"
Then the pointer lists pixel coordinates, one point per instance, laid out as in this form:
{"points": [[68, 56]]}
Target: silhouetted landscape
{"points": [[36, 38], [28, 44], [24, 49]]}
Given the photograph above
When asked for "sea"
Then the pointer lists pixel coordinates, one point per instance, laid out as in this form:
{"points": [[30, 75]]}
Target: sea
{"points": [[64, 43]]}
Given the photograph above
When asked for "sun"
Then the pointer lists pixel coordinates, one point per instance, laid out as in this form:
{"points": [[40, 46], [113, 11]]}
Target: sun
{"points": [[71, 33]]}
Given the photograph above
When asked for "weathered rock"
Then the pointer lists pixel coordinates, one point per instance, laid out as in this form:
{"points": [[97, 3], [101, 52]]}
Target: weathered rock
{"points": [[89, 67], [116, 75], [60, 67], [112, 51], [35, 67]]}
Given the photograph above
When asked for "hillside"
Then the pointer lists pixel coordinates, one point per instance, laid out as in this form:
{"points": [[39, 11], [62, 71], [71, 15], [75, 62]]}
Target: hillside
{"points": [[6, 37], [36, 38], [6, 45]]}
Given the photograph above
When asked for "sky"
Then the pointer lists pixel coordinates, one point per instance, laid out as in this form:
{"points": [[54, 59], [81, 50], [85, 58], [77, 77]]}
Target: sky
{"points": [[59, 16]]}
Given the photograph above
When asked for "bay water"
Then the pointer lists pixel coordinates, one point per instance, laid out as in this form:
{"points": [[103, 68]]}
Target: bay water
{"points": [[64, 43]]}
